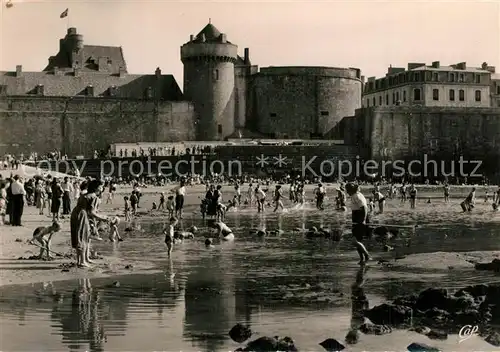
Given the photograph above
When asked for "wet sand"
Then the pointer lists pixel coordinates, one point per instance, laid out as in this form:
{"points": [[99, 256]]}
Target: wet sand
{"points": [[13, 242]]}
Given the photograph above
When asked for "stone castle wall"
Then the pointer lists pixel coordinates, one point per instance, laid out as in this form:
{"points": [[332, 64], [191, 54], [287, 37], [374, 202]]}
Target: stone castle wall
{"points": [[402, 133], [80, 125], [301, 102]]}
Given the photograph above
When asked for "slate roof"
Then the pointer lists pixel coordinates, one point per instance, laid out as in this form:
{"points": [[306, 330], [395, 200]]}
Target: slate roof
{"points": [[65, 84], [91, 54]]}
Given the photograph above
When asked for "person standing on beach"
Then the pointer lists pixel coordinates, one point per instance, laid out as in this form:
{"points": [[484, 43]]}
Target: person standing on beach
{"points": [[84, 212], [446, 190], [3, 203], [180, 193], [359, 216], [57, 193], [413, 196], [18, 195], [67, 189]]}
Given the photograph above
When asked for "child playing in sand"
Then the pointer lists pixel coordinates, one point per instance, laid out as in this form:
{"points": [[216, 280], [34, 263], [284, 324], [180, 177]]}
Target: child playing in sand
{"points": [[113, 230], [469, 202], [170, 206], [43, 235], [371, 205], [127, 208], [224, 231], [169, 235], [154, 206], [261, 198]]}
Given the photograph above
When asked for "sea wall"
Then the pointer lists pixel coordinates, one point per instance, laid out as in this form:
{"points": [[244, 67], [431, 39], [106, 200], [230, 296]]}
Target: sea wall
{"points": [[80, 125]]}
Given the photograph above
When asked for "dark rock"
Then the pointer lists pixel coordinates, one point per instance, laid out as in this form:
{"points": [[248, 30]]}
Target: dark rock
{"points": [[493, 266], [65, 270], [18, 240], [432, 298], [421, 347], [389, 314], [271, 344], [474, 291], [408, 301], [493, 339], [352, 337], [116, 284], [424, 330], [467, 317], [373, 329], [208, 242], [332, 345], [437, 335], [240, 333], [129, 266], [464, 302]]}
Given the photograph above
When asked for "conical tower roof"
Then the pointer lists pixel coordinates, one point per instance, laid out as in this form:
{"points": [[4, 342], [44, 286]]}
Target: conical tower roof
{"points": [[211, 33]]}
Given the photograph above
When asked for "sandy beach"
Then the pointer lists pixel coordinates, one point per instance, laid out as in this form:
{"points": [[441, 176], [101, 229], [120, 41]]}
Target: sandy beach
{"points": [[14, 247]]}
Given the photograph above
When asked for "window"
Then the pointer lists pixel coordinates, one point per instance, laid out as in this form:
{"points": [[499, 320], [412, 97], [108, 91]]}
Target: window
{"points": [[3, 89], [109, 62], [387, 99], [461, 77], [416, 94], [374, 101], [324, 113], [452, 77], [435, 76], [417, 77], [433, 143], [216, 75], [367, 103], [393, 97], [380, 99], [452, 95], [461, 95], [397, 96], [273, 114], [219, 129], [478, 95], [478, 78], [435, 94], [404, 95], [498, 89], [89, 91]]}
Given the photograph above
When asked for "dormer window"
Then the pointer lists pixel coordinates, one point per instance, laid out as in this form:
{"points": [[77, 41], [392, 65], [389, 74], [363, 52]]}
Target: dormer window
{"points": [[89, 91], [110, 61], [39, 89]]}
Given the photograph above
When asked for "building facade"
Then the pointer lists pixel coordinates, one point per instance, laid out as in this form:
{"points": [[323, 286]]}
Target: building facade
{"points": [[432, 86]]}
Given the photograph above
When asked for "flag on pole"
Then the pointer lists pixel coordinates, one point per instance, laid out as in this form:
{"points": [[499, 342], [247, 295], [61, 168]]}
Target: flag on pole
{"points": [[9, 4], [64, 13]]}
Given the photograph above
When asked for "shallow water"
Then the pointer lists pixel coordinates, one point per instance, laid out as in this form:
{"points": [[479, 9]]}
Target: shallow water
{"points": [[246, 281]]}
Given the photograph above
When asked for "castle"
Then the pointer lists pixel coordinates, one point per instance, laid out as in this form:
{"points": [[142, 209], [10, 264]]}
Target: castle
{"points": [[85, 99]]}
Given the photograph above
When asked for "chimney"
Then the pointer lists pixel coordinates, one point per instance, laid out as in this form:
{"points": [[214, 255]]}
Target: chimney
{"points": [[363, 79], [19, 70], [76, 72], [462, 66], [435, 64], [121, 72], [223, 38], [158, 72], [247, 56], [191, 37]]}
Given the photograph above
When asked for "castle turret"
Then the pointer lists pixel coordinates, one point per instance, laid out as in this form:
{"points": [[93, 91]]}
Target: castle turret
{"points": [[72, 46], [209, 62]]}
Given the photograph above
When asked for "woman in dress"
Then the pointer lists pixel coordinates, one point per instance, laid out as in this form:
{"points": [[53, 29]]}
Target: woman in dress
{"points": [[81, 217]]}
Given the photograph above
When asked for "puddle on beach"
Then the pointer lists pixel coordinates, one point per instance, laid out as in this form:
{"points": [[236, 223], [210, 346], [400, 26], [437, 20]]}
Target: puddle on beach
{"points": [[284, 285]]}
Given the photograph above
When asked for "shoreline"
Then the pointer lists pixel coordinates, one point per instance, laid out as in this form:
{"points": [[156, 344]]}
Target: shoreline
{"points": [[13, 242]]}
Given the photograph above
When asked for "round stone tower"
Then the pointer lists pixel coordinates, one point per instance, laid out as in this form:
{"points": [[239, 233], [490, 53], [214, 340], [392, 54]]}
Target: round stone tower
{"points": [[209, 62]]}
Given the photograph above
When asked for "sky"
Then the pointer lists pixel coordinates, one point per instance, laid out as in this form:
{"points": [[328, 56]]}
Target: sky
{"points": [[370, 35]]}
